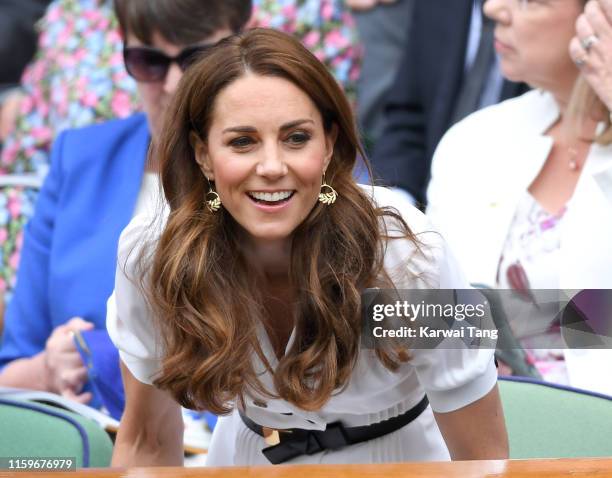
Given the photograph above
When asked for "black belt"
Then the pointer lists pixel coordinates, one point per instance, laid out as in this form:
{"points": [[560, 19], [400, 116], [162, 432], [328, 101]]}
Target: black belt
{"points": [[297, 441]]}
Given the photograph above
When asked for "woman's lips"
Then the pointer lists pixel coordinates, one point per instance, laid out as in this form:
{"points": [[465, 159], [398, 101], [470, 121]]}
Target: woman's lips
{"points": [[271, 207], [502, 47]]}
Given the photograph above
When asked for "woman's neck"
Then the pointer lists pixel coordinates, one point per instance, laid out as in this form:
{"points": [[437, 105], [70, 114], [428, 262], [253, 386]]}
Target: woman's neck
{"points": [[270, 258], [573, 129], [587, 125], [562, 98], [561, 87]]}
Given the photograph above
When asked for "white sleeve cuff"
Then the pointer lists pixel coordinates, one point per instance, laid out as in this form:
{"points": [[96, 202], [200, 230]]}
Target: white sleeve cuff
{"points": [[142, 370], [449, 400]]}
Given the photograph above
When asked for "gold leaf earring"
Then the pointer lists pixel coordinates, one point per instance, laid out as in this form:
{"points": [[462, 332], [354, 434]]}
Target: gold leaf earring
{"points": [[213, 201], [328, 195]]}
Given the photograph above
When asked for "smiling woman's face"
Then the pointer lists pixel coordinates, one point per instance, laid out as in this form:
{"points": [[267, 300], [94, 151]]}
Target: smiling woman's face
{"points": [[532, 39], [266, 152]]}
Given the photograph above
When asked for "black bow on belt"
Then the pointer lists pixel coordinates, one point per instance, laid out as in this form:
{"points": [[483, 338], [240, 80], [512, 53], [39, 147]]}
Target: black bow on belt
{"points": [[297, 441]]}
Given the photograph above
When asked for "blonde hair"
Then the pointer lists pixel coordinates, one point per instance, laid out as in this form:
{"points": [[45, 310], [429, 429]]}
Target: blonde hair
{"points": [[584, 103]]}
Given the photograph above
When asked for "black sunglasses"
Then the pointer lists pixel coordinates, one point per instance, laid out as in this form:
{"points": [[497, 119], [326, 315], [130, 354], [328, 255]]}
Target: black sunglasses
{"points": [[147, 64]]}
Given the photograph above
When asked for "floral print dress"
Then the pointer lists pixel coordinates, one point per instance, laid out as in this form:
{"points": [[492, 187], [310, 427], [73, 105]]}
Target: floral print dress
{"points": [[530, 261]]}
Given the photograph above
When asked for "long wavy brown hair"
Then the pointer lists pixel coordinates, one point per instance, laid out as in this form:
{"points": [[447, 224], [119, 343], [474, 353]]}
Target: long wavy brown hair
{"points": [[199, 286]]}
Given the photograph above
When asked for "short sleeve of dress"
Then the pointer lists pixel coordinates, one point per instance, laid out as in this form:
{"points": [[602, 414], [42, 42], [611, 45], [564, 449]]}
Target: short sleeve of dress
{"points": [[451, 377], [454, 378], [129, 320]]}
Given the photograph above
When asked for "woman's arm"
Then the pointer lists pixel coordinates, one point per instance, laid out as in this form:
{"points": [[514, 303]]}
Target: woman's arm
{"points": [[26, 373], [476, 431], [151, 429], [35, 354]]}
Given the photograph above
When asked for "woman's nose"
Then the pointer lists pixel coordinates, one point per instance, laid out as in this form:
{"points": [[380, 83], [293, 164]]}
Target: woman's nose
{"points": [[499, 10], [172, 79], [271, 163]]}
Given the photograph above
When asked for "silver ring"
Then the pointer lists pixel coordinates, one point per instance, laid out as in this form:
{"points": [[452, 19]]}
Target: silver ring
{"points": [[588, 42], [579, 62]]}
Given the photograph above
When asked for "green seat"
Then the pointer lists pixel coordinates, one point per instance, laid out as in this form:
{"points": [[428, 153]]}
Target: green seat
{"points": [[551, 421], [29, 429]]}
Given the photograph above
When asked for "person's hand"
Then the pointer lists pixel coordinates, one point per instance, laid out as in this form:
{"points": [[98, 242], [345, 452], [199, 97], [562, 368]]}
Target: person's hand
{"points": [[66, 373], [591, 48], [8, 113]]}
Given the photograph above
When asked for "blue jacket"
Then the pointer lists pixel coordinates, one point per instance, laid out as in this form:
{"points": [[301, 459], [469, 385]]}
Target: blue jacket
{"points": [[68, 259]]}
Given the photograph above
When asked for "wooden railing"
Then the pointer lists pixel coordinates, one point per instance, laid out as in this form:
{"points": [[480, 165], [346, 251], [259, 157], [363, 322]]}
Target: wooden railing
{"points": [[562, 468]]}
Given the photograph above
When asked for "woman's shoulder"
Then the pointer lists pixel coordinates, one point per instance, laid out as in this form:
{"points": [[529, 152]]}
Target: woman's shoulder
{"points": [[423, 261], [384, 197], [530, 112], [138, 238], [469, 144]]}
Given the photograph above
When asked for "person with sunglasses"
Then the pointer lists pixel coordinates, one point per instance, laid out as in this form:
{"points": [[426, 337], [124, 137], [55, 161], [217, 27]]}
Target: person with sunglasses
{"points": [[99, 178]]}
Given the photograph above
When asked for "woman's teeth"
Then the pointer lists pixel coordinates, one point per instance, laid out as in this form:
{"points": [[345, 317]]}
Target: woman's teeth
{"points": [[271, 197]]}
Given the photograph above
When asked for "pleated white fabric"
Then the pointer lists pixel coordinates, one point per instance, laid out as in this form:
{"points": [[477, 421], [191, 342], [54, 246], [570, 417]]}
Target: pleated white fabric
{"points": [[451, 377]]}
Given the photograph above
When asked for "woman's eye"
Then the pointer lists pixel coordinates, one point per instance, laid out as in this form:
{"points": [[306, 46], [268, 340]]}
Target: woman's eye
{"points": [[241, 142], [297, 139]]}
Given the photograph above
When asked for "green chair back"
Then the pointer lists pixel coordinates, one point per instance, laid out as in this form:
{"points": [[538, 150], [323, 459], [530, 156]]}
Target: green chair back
{"points": [[29, 429], [550, 421]]}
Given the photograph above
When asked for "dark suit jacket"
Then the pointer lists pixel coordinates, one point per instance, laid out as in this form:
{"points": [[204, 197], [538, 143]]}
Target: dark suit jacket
{"points": [[420, 104]]}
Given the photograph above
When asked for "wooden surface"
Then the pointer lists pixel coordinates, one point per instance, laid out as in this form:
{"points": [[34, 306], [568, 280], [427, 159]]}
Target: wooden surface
{"points": [[561, 468]]}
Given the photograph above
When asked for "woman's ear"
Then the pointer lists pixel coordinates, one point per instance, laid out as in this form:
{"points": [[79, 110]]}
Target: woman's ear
{"points": [[201, 155], [330, 142]]}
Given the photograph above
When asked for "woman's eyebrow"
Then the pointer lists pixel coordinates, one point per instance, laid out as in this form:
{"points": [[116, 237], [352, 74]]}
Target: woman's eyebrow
{"points": [[240, 129], [251, 129], [293, 124]]}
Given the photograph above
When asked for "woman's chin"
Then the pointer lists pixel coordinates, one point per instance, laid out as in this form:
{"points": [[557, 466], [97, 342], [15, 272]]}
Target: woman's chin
{"points": [[511, 74]]}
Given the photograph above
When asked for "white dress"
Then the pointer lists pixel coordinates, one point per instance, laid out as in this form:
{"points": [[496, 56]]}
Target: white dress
{"points": [[451, 378]]}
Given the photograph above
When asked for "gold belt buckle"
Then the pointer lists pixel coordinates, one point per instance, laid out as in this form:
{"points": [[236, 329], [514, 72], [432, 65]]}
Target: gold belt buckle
{"points": [[272, 435]]}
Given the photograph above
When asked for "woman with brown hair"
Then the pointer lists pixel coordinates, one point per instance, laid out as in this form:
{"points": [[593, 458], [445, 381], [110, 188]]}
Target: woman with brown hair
{"points": [[244, 298]]}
